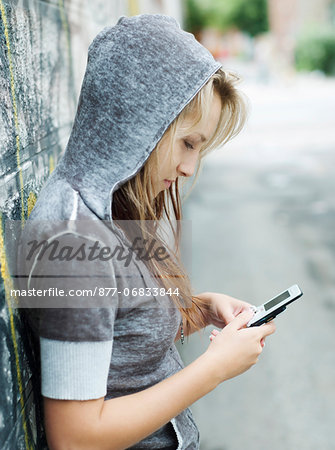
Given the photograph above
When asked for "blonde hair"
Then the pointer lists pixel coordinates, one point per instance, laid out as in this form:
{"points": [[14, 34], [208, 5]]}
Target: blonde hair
{"points": [[135, 200]]}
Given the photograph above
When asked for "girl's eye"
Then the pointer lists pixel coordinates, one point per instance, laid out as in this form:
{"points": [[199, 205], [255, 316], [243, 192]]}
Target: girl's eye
{"points": [[188, 145]]}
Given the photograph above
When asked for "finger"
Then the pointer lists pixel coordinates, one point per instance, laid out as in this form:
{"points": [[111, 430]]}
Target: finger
{"points": [[267, 329], [223, 317], [246, 306], [228, 317], [213, 334], [262, 342], [241, 320], [238, 308]]}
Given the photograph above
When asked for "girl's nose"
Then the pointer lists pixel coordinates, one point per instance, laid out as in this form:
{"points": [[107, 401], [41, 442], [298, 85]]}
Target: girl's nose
{"points": [[187, 167]]}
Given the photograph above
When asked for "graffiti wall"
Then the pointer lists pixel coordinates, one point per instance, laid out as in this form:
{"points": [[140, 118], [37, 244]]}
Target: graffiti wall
{"points": [[43, 48]]}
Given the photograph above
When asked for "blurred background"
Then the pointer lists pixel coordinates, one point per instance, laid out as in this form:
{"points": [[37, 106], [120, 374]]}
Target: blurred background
{"points": [[263, 214], [262, 210]]}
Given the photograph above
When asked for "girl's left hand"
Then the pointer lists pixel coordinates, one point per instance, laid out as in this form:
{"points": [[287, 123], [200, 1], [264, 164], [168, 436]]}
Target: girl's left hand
{"points": [[222, 309]]}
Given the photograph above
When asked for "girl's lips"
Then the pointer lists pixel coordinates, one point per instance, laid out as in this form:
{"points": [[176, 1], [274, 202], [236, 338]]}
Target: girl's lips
{"points": [[167, 183]]}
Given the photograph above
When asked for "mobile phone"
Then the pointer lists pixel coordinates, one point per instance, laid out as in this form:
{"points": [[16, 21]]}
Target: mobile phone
{"points": [[269, 310]]}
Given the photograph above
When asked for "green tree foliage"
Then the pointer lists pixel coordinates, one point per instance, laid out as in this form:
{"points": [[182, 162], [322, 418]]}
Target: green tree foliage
{"points": [[316, 51], [193, 16], [249, 16]]}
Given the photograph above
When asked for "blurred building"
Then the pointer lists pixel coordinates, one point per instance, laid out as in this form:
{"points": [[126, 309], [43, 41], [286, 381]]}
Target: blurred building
{"points": [[289, 18]]}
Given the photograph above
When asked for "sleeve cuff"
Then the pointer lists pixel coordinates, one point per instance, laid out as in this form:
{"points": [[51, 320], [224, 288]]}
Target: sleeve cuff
{"points": [[74, 370]]}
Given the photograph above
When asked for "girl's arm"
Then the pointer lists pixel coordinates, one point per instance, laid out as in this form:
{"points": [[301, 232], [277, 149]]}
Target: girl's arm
{"points": [[121, 422]]}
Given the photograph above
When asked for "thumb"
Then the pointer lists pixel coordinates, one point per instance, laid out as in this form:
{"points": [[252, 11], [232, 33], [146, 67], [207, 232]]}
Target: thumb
{"points": [[242, 319]]}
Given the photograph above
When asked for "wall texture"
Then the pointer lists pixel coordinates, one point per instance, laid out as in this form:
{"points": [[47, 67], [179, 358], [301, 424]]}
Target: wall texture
{"points": [[43, 47]]}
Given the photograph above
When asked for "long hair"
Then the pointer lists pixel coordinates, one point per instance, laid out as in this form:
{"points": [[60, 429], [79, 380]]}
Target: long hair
{"points": [[135, 200]]}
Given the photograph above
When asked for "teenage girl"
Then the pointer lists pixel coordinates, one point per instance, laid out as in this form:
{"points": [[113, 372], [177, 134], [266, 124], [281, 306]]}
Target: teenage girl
{"points": [[152, 104]]}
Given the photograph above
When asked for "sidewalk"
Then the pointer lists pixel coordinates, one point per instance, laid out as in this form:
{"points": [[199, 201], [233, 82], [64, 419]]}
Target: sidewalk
{"points": [[267, 204]]}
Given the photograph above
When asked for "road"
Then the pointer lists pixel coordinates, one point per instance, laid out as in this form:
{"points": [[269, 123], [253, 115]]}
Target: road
{"points": [[263, 215]]}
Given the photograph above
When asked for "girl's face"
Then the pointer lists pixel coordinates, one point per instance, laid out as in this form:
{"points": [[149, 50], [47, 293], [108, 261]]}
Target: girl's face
{"points": [[186, 151]]}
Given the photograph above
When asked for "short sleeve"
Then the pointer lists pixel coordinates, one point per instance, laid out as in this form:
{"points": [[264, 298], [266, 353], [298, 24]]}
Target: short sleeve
{"points": [[74, 370], [75, 329]]}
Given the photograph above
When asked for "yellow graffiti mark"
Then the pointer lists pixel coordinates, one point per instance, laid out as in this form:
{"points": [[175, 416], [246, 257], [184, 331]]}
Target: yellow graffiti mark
{"points": [[16, 119], [133, 7], [66, 29], [31, 202], [8, 284], [51, 164]]}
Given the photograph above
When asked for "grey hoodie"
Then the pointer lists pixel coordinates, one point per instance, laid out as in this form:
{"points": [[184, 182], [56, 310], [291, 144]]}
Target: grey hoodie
{"points": [[140, 75]]}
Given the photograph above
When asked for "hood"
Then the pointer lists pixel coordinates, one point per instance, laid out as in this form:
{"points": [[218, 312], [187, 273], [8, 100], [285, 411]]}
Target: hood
{"points": [[140, 75]]}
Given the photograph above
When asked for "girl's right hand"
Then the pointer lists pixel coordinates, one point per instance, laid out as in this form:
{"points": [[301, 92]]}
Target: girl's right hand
{"points": [[236, 348]]}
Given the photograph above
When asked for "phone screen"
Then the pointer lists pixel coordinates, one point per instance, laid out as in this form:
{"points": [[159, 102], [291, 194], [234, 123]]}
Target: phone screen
{"points": [[276, 300]]}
